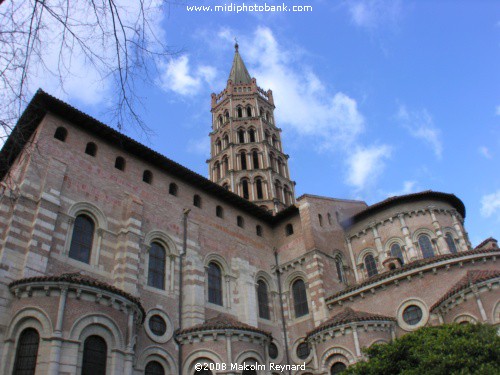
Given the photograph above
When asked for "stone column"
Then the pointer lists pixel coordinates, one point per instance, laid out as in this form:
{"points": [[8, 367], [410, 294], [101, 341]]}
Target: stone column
{"points": [[378, 243], [441, 243], [56, 343], [353, 262], [411, 251], [458, 228]]}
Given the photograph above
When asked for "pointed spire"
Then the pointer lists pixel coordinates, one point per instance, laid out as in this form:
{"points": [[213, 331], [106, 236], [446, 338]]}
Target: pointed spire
{"points": [[239, 73]]}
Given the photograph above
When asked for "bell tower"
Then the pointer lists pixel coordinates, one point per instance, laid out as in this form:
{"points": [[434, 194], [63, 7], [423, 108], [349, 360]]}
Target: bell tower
{"points": [[247, 156]]}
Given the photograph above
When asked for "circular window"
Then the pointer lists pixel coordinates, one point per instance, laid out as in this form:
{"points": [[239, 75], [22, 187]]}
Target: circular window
{"points": [[303, 350], [273, 351], [412, 315], [157, 325]]}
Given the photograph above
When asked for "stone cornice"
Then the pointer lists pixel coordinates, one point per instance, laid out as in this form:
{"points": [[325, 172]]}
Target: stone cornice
{"points": [[382, 281], [368, 228], [329, 333]]}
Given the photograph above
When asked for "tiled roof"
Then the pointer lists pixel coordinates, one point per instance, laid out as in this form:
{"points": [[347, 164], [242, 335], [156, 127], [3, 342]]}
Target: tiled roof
{"points": [[392, 201], [489, 239], [472, 277], [43, 103], [222, 322], [348, 315], [76, 278], [407, 267], [239, 73]]}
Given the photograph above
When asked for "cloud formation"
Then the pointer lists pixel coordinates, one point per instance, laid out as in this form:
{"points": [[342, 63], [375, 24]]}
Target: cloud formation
{"points": [[490, 204], [371, 14], [420, 125], [366, 164], [179, 77], [484, 151]]}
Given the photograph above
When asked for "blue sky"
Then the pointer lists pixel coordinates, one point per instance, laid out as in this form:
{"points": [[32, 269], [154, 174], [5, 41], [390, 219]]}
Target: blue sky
{"points": [[375, 98]]}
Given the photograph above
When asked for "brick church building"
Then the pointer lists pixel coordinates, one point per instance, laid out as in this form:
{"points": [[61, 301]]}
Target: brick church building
{"points": [[115, 259]]}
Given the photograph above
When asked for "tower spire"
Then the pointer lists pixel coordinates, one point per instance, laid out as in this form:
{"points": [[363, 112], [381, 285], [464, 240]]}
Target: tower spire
{"points": [[247, 157], [239, 73]]}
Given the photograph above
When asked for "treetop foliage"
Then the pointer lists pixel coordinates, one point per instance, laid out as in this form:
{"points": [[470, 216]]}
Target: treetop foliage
{"points": [[457, 349]]}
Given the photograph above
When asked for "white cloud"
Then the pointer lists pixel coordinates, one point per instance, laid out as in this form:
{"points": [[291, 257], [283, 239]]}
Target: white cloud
{"points": [[69, 72], [374, 13], [490, 204], [483, 150], [179, 77], [421, 126], [366, 164], [303, 103], [408, 188]]}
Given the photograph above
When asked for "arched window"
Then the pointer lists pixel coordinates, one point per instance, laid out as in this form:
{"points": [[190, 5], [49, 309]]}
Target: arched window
{"points": [[320, 219], [425, 246], [240, 221], [82, 239], [279, 191], [225, 140], [243, 159], [267, 136], [274, 140], [251, 135], [219, 211], [397, 253], [154, 368], [241, 136], [329, 219], [26, 352], [263, 299], [244, 188], [219, 119], [217, 171], [255, 158], [249, 111], [289, 229], [268, 116], [240, 112], [258, 186], [226, 115], [451, 243], [214, 284], [91, 149], [197, 201], [95, 353], [339, 265], [337, 368], [225, 163], [61, 134], [172, 189], [300, 298], [120, 163], [258, 230], [370, 265], [272, 161], [147, 177], [156, 267], [287, 195], [218, 146], [280, 167]]}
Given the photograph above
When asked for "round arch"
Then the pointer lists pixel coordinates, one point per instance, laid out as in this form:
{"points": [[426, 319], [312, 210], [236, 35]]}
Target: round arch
{"points": [[91, 210], [98, 324], [156, 353]]}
